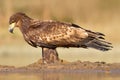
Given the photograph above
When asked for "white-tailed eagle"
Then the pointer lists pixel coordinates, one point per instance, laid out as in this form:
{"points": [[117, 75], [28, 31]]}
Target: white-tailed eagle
{"points": [[52, 34]]}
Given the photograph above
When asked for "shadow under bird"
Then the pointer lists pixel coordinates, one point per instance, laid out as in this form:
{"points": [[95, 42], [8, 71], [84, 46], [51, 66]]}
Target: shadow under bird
{"points": [[49, 35]]}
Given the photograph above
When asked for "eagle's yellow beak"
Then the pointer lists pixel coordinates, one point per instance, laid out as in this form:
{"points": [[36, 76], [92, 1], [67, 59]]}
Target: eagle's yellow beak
{"points": [[11, 27]]}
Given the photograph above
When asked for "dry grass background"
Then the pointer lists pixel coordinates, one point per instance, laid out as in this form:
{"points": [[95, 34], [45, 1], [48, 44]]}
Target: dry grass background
{"points": [[96, 15]]}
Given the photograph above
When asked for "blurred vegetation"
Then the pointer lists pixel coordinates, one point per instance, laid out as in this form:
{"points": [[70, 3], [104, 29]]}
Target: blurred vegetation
{"points": [[97, 15]]}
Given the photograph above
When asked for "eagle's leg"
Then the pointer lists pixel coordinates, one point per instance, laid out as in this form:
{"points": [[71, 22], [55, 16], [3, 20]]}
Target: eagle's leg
{"points": [[49, 55]]}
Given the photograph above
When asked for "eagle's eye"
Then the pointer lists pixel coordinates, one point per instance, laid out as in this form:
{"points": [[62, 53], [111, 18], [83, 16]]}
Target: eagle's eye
{"points": [[11, 21]]}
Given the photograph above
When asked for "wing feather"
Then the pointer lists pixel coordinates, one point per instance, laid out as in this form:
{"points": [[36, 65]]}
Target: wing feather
{"points": [[57, 34]]}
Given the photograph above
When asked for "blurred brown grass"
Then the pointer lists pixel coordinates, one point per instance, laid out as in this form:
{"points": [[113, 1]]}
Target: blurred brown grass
{"points": [[97, 15]]}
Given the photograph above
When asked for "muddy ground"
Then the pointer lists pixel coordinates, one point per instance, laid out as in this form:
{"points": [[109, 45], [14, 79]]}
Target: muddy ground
{"points": [[63, 66]]}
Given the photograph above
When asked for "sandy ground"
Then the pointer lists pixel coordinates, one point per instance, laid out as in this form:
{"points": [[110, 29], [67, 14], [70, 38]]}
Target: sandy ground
{"points": [[63, 66]]}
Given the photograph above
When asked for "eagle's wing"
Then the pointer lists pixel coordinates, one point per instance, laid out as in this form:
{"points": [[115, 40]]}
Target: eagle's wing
{"points": [[56, 34]]}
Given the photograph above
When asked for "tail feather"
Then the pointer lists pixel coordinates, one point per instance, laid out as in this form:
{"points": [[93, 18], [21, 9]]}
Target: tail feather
{"points": [[100, 45], [96, 40]]}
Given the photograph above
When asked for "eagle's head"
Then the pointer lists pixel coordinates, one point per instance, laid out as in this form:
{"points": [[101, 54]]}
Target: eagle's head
{"points": [[16, 20]]}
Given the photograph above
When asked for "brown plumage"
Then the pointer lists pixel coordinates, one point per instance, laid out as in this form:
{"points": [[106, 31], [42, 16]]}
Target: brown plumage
{"points": [[52, 34]]}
